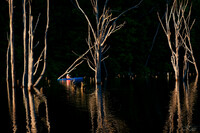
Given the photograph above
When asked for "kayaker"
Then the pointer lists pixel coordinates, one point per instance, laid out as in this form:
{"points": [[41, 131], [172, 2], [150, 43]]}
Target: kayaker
{"points": [[68, 76], [68, 81]]}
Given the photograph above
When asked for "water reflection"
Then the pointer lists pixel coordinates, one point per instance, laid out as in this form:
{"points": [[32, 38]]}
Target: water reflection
{"points": [[36, 112], [97, 105], [75, 94], [181, 108], [12, 107]]}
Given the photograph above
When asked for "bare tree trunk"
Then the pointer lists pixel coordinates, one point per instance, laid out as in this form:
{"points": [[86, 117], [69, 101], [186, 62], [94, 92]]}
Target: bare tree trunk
{"points": [[182, 28], [185, 67], [30, 68], [11, 40], [30, 50], [177, 64], [98, 67], [12, 62], [105, 26], [7, 75], [45, 47], [25, 73]]}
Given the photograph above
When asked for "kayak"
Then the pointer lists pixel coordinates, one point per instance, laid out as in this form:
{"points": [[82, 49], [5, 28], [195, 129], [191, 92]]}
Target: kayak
{"points": [[76, 79]]}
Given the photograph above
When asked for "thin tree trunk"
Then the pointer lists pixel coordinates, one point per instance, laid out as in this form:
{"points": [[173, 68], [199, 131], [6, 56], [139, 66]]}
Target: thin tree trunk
{"points": [[7, 77], [12, 62], [185, 66], [45, 47], [12, 59], [25, 73], [177, 64], [30, 50], [98, 67], [105, 26]]}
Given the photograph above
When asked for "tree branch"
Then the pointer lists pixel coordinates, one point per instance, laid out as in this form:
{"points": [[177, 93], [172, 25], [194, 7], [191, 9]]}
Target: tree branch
{"points": [[86, 19], [136, 6], [74, 63], [45, 47]]}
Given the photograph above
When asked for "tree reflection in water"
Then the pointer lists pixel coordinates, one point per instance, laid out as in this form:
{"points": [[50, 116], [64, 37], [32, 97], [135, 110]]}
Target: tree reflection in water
{"points": [[12, 107], [181, 111], [35, 104], [97, 105], [106, 122]]}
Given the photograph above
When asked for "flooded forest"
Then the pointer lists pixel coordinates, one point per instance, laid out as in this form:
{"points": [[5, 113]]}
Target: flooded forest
{"points": [[100, 66]]}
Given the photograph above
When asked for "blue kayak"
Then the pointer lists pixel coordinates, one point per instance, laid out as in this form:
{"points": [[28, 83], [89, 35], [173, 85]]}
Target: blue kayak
{"points": [[76, 79]]}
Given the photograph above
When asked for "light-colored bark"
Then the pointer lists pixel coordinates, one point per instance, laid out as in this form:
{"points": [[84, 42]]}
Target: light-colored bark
{"points": [[27, 79], [45, 48], [12, 64], [31, 68], [105, 26], [11, 40], [25, 73], [30, 50], [98, 67], [181, 22]]}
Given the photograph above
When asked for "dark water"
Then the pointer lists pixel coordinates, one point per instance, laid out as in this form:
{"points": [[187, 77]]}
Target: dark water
{"points": [[119, 105]]}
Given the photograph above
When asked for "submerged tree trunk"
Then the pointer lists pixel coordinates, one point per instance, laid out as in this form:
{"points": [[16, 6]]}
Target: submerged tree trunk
{"points": [[182, 27], [98, 68], [25, 73], [177, 64], [11, 41], [12, 63], [31, 67], [105, 26], [45, 48], [7, 76], [30, 50]]}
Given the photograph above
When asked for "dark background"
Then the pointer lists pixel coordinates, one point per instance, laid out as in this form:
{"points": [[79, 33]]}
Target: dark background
{"points": [[129, 47]]}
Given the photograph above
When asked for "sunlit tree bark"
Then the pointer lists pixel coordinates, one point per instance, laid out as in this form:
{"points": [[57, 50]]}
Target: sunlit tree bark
{"points": [[181, 35], [45, 48], [12, 64], [31, 68], [30, 49], [25, 73], [11, 41], [97, 36]]}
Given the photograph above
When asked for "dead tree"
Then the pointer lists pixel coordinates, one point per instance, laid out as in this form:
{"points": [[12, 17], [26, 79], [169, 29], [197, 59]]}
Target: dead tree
{"points": [[97, 36], [11, 43], [181, 34], [10, 50], [25, 73], [44, 50], [185, 38], [31, 67]]}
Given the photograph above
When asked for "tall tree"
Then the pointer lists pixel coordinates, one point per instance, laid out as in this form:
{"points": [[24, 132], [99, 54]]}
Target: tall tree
{"points": [[31, 68], [105, 26], [11, 43], [12, 64], [25, 73], [181, 37]]}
